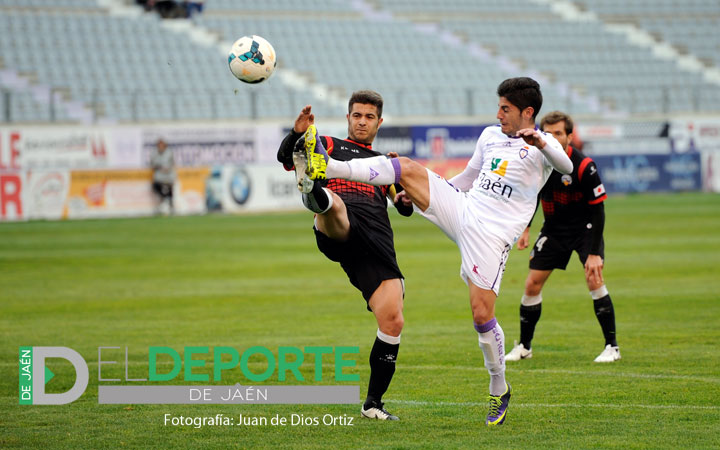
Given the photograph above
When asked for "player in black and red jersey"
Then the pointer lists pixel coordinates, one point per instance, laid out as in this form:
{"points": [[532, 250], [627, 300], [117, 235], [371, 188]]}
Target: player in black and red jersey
{"points": [[574, 221], [352, 228]]}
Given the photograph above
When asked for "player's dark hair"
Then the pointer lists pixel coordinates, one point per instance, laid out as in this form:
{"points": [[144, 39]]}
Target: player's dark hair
{"points": [[554, 117], [522, 92], [366, 98]]}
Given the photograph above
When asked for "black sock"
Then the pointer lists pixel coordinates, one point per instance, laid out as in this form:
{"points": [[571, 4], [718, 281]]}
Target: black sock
{"points": [[382, 368], [529, 316], [605, 314], [317, 200]]}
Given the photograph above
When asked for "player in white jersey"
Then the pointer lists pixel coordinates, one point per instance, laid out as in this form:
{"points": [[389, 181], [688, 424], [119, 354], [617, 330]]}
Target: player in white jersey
{"points": [[483, 210]]}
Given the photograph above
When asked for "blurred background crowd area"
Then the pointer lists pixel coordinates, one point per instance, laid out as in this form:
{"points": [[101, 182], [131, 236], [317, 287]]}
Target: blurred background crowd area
{"points": [[92, 84], [115, 61]]}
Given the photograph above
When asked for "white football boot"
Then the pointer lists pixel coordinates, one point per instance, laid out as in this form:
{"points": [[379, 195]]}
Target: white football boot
{"points": [[376, 411], [518, 352], [610, 354]]}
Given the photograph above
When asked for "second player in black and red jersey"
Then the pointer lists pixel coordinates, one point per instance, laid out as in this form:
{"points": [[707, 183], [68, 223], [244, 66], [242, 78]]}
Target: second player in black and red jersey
{"points": [[574, 221], [352, 228], [573, 204]]}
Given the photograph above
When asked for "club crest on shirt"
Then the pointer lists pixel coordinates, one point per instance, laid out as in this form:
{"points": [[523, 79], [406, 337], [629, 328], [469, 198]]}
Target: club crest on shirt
{"points": [[523, 152], [566, 180]]}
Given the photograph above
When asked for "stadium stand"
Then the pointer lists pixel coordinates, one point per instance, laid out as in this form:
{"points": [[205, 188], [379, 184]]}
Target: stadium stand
{"points": [[428, 58]]}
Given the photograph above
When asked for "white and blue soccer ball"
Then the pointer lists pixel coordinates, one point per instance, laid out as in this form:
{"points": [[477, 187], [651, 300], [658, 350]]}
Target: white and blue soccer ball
{"points": [[252, 59]]}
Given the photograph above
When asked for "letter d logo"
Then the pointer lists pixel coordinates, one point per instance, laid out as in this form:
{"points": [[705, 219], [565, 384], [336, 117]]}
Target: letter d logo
{"points": [[33, 375]]}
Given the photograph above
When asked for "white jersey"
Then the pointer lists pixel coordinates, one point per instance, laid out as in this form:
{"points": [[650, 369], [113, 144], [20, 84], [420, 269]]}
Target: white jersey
{"points": [[504, 196]]}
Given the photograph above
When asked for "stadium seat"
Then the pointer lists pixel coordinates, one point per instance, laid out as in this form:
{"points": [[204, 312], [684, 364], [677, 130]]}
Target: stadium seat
{"points": [[94, 53]]}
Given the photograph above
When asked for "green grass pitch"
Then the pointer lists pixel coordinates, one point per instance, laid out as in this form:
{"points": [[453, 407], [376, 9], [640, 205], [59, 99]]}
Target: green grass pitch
{"points": [[251, 280]]}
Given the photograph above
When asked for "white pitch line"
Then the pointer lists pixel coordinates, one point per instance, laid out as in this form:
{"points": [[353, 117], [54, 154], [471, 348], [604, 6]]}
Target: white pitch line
{"points": [[556, 405], [512, 369]]}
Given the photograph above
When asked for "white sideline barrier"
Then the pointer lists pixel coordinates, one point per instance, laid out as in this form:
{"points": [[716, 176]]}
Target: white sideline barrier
{"points": [[103, 193], [55, 172]]}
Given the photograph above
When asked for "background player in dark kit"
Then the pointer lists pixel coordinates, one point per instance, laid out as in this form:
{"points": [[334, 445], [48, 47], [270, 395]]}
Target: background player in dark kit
{"points": [[574, 221]]}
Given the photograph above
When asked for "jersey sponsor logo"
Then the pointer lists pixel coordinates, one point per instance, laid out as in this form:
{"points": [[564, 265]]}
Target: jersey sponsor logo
{"points": [[593, 169], [501, 143], [496, 187], [524, 152], [566, 180], [599, 190], [499, 166]]}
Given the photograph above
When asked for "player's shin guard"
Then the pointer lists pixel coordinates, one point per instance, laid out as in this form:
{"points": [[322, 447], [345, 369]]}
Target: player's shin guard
{"points": [[492, 342], [377, 171], [530, 310], [382, 366], [605, 313], [319, 200]]}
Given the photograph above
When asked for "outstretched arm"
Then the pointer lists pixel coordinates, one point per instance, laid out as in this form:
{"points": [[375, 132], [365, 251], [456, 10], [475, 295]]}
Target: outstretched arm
{"points": [[284, 154], [554, 153], [464, 180], [302, 122], [402, 203]]}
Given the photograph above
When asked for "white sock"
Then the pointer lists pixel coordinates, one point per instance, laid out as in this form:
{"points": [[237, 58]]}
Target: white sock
{"points": [[377, 171], [531, 300], [492, 343], [394, 340], [599, 293]]}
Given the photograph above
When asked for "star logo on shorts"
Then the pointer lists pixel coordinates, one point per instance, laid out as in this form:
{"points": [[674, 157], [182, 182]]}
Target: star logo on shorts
{"points": [[475, 269]]}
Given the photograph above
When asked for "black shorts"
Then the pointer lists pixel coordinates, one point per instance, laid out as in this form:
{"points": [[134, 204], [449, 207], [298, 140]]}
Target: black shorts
{"points": [[164, 190], [554, 251], [365, 263]]}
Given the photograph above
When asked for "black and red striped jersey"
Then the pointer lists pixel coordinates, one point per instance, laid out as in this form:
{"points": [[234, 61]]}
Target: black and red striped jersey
{"points": [[369, 198], [367, 204], [351, 191], [567, 199]]}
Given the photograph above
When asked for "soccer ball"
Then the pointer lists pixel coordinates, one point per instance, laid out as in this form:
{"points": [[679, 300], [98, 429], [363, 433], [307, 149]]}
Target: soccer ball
{"points": [[252, 59]]}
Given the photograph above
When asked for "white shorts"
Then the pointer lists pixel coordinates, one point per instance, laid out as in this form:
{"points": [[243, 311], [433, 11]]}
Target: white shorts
{"points": [[483, 254]]}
